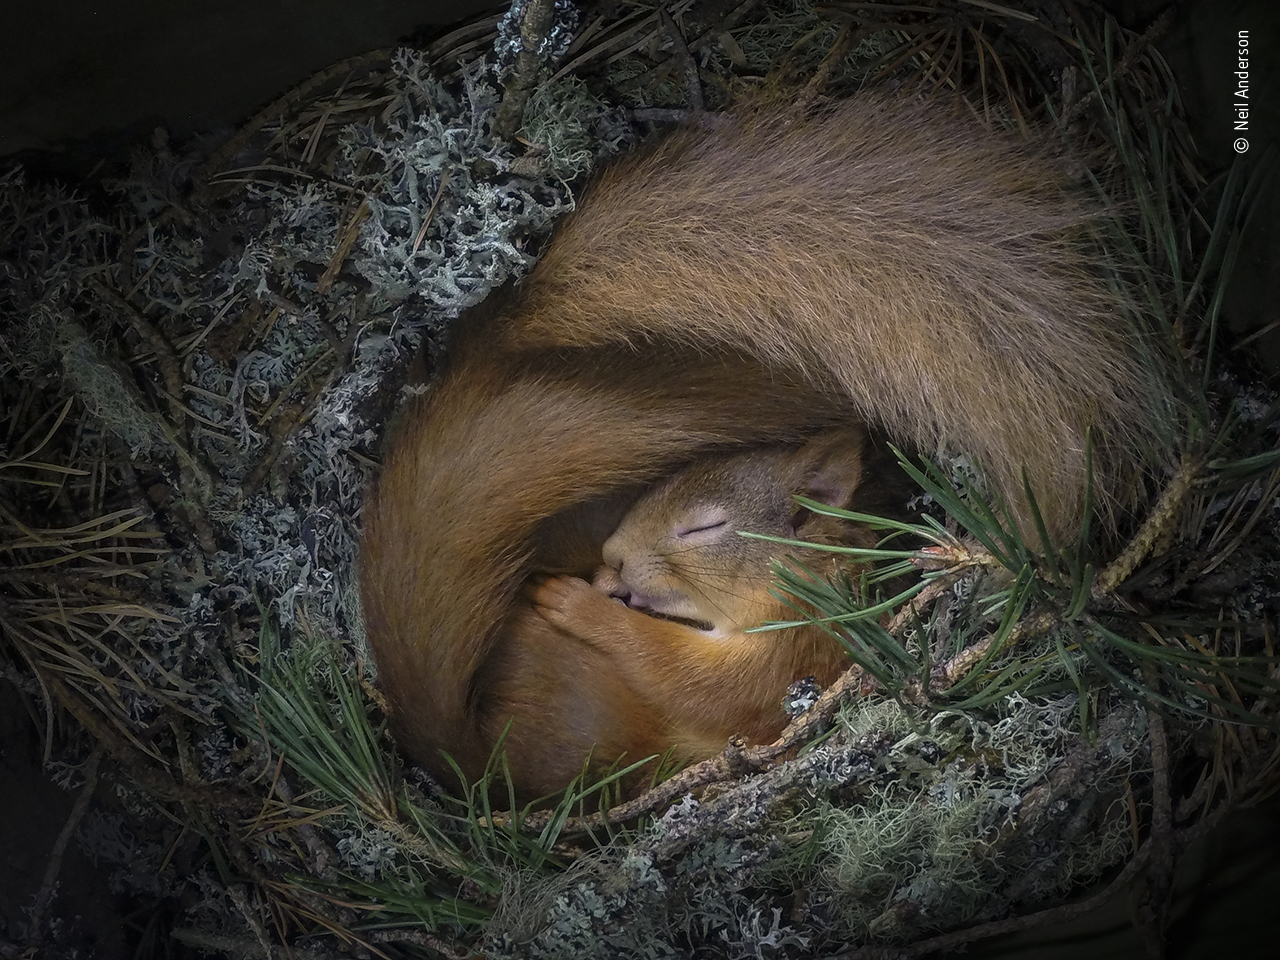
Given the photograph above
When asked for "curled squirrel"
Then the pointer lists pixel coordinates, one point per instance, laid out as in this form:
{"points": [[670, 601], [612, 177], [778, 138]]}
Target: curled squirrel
{"points": [[748, 280], [692, 586]]}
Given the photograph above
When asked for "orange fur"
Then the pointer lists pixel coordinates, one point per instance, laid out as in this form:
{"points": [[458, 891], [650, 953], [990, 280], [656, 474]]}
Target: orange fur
{"points": [[678, 554], [487, 477], [750, 283]]}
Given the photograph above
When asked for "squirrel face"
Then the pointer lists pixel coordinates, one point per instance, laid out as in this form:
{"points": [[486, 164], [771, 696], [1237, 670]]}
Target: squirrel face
{"points": [[679, 554]]}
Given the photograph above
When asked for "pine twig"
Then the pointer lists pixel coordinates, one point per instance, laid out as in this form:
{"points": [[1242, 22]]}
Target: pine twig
{"points": [[534, 29], [1155, 529], [45, 895]]}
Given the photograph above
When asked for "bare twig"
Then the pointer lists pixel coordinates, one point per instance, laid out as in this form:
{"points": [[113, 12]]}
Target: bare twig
{"points": [[1136, 48], [658, 115], [419, 937], [431, 212], [846, 41], [947, 674], [689, 66], [281, 104], [1152, 911], [983, 931], [645, 79], [246, 946], [45, 895], [346, 241]]}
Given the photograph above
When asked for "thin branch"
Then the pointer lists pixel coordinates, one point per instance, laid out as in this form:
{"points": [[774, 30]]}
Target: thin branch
{"points": [[534, 30], [985, 931], [45, 895], [1152, 910], [195, 476], [689, 66], [1155, 529]]}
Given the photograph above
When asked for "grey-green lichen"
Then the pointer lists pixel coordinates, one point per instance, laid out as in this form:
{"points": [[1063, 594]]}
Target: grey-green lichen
{"points": [[895, 826], [277, 368], [899, 823]]}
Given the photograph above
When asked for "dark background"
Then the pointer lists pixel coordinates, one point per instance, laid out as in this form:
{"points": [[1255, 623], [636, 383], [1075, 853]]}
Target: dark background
{"points": [[84, 80]]}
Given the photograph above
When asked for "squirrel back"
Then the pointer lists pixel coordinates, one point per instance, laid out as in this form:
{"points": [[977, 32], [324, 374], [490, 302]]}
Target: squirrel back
{"points": [[745, 281]]}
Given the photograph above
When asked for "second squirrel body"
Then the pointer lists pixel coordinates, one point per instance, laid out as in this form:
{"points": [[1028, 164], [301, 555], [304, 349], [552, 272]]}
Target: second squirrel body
{"points": [[753, 281]]}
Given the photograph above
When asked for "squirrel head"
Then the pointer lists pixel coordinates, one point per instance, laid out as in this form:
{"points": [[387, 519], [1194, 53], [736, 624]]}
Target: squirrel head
{"points": [[678, 554]]}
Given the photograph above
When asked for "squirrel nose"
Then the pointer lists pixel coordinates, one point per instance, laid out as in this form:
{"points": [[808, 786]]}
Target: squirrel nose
{"points": [[611, 552], [619, 590], [614, 583]]}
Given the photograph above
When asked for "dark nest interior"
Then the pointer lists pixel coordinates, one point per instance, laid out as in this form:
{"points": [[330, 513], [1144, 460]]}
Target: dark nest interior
{"points": [[199, 353]]}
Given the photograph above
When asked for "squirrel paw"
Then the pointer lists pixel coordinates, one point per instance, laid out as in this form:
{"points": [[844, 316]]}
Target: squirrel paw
{"points": [[571, 604]]}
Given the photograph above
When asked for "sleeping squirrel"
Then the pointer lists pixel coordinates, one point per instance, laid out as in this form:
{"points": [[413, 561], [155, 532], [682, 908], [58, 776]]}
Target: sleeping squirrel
{"points": [[751, 279], [691, 586]]}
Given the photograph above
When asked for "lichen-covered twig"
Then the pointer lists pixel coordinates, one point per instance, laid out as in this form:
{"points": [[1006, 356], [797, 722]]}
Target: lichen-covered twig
{"points": [[289, 419], [195, 476], [535, 27]]}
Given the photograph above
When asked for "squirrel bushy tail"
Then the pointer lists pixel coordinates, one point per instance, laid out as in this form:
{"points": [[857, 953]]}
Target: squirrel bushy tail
{"points": [[937, 274]]}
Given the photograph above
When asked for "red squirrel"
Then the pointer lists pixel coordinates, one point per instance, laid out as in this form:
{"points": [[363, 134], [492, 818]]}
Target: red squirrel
{"points": [[755, 279], [691, 587]]}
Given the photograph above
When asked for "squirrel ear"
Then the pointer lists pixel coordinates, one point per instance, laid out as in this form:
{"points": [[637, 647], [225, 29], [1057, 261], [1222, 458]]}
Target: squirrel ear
{"points": [[829, 469], [834, 462]]}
